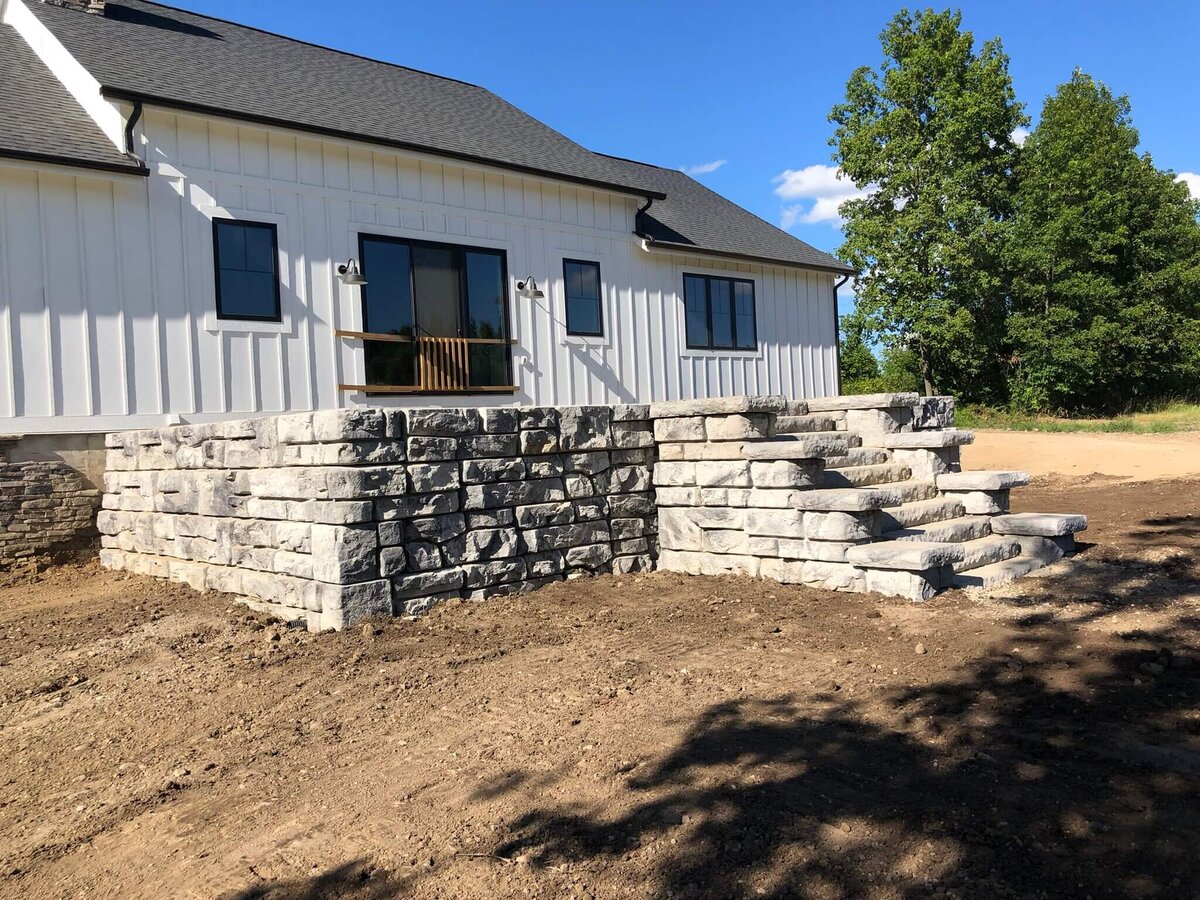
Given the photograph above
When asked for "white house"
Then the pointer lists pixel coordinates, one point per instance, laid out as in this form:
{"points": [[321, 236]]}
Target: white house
{"points": [[179, 193]]}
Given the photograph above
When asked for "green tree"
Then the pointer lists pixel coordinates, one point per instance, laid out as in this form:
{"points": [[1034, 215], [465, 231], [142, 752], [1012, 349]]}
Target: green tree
{"points": [[930, 132], [858, 363], [1104, 251]]}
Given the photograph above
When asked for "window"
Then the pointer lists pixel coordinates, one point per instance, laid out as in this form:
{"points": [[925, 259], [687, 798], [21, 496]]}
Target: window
{"points": [[437, 315], [246, 258], [582, 287], [719, 313]]}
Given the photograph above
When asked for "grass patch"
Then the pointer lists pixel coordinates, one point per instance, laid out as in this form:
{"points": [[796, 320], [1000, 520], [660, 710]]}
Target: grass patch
{"points": [[1172, 418]]}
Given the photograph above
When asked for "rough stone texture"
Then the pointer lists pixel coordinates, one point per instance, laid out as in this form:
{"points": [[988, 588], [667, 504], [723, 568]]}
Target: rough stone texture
{"points": [[721, 406], [929, 440], [980, 480], [915, 556], [863, 401], [1039, 524], [46, 507], [933, 412]]}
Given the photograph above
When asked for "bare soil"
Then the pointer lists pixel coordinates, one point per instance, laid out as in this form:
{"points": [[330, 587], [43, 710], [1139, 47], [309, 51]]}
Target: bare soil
{"points": [[1138, 457], [652, 736]]}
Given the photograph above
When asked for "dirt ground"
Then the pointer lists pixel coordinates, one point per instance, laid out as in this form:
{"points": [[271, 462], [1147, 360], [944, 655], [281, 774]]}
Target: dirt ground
{"points": [[654, 736], [1135, 456]]}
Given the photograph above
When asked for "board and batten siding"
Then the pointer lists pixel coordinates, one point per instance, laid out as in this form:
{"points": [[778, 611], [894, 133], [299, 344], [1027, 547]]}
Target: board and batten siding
{"points": [[108, 315]]}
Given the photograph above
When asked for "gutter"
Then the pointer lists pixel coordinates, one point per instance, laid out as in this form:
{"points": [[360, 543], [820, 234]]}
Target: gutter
{"points": [[649, 244], [71, 162], [112, 93], [130, 124]]}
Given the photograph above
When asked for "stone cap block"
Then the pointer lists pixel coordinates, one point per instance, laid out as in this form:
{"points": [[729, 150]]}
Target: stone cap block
{"points": [[840, 499], [719, 406], [1039, 524], [862, 401], [926, 440], [911, 556], [800, 446], [981, 480]]}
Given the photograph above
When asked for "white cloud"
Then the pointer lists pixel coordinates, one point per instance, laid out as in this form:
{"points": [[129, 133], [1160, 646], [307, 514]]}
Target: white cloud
{"points": [[1019, 134], [1192, 180], [703, 168], [825, 186]]}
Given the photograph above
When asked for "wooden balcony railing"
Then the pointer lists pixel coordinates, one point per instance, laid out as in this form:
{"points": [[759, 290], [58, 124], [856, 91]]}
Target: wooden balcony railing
{"points": [[442, 364]]}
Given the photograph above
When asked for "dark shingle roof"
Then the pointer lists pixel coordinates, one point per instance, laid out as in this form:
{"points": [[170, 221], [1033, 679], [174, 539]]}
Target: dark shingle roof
{"points": [[692, 217], [143, 50], [40, 121]]}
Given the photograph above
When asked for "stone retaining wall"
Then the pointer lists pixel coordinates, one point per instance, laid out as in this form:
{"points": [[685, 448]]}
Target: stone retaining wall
{"points": [[46, 507], [339, 515]]}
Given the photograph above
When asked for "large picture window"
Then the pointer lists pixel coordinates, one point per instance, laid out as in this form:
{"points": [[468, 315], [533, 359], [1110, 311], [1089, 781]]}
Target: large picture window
{"points": [[246, 259], [581, 280], [436, 315], [719, 313]]}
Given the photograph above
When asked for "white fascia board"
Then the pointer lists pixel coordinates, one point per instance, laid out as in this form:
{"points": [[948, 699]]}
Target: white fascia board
{"points": [[74, 77]]}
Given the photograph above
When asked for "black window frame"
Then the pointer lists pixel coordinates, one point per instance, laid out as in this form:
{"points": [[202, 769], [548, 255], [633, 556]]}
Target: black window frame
{"points": [[247, 223], [708, 313], [460, 251], [599, 299]]}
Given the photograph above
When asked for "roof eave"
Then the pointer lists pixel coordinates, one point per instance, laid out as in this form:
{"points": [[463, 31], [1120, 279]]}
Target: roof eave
{"points": [[115, 93], [838, 269], [75, 162]]}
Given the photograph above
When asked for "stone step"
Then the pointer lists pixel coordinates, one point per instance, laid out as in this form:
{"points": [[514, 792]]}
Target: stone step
{"points": [[911, 556], [804, 424], [951, 531], [864, 476], [981, 480], [997, 573], [859, 456], [919, 512], [813, 445], [901, 492], [926, 440], [985, 551], [1039, 524]]}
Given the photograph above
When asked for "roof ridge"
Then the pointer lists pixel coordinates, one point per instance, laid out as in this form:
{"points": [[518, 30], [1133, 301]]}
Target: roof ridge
{"points": [[638, 162], [296, 40]]}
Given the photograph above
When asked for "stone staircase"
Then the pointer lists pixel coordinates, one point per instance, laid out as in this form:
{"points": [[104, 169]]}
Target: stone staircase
{"points": [[852, 493]]}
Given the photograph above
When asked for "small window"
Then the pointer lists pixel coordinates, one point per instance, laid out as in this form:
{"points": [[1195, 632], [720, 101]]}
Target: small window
{"points": [[246, 257], [719, 313], [584, 313]]}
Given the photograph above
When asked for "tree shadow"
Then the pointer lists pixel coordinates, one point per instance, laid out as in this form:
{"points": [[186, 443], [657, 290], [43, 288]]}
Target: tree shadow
{"points": [[1051, 773], [356, 879]]}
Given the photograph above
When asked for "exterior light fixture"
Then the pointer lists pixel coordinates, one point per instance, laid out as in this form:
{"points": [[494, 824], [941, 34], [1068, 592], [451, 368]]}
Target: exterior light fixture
{"points": [[350, 274], [529, 289]]}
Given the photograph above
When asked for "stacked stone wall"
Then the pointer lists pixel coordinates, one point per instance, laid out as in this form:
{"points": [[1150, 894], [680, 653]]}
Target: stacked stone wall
{"points": [[46, 508], [338, 515]]}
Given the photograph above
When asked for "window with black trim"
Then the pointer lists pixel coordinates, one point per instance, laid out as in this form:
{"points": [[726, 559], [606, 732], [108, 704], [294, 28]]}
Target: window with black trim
{"points": [[719, 313], [246, 259], [585, 314]]}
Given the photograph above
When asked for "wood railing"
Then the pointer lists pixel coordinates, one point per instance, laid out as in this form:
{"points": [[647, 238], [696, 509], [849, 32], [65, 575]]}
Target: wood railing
{"points": [[443, 364]]}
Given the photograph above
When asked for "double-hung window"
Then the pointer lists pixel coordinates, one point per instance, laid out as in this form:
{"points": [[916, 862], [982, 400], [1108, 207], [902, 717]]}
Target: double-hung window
{"points": [[719, 313], [585, 313], [246, 259]]}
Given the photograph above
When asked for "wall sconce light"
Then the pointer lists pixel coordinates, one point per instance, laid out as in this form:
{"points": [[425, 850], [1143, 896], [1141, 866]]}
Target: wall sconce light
{"points": [[529, 289], [350, 275]]}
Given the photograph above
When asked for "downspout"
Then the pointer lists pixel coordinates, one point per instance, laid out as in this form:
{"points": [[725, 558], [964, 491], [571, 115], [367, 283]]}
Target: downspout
{"points": [[837, 333], [637, 232], [130, 124]]}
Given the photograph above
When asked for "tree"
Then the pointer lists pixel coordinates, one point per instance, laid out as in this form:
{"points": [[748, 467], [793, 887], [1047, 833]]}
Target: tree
{"points": [[930, 133], [858, 363], [1104, 251]]}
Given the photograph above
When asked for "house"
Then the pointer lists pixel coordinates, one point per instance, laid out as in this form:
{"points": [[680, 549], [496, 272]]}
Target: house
{"points": [[203, 221]]}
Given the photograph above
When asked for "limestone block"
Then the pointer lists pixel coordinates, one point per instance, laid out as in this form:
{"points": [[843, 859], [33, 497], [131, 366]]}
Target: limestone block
{"points": [[688, 428], [719, 496], [357, 484], [343, 553], [698, 563], [844, 499], [824, 551], [432, 449], [734, 473], [491, 518], [395, 427], [643, 456], [417, 505], [771, 522], [677, 496], [560, 537], [628, 565], [421, 584], [737, 427], [718, 406], [436, 529], [346, 424], [418, 606], [1045, 549], [737, 542], [420, 556], [916, 586], [863, 401], [784, 473], [626, 529], [587, 463], [288, 563], [500, 419], [392, 561], [347, 604], [444, 422], [630, 412], [980, 503], [624, 480], [537, 417], [839, 526], [981, 480], [513, 493], [539, 515], [928, 463], [928, 440], [295, 429], [589, 556], [625, 505], [718, 517], [674, 474], [630, 547], [632, 435], [486, 574], [545, 565], [483, 471], [537, 441], [934, 412], [585, 427], [341, 512], [873, 424], [913, 556], [813, 445], [987, 550], [545, 466], [482, 446], [578, 486], [832, 576], [190, 573], [1039, 524], [489, 543]]}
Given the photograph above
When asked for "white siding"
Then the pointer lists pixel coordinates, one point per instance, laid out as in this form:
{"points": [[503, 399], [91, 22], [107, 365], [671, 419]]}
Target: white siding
{"points": [[107, 314]]}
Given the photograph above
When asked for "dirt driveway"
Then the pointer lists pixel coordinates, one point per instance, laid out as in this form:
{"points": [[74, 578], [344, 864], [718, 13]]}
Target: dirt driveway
{"points": [[655, 736], [1139, 457]]}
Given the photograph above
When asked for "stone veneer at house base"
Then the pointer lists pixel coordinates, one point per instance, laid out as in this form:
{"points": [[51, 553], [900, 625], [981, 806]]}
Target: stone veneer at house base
{"points": [[335, 516], [46, 508]]}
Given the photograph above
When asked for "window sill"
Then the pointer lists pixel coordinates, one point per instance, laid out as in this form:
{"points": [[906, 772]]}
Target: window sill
{"points": [[697, 352], [584, 340], [244, 326]]}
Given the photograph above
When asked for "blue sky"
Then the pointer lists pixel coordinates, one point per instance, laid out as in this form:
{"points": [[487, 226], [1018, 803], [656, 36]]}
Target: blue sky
{"points": [[744, 88]]}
